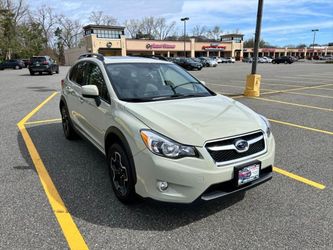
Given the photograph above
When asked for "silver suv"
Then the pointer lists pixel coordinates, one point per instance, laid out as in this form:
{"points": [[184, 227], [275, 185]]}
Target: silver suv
{"points": [[165, 135]]}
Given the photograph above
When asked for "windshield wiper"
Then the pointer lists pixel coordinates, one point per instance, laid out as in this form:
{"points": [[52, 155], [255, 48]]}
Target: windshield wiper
{"points": [[186, 83], [137, 99]]}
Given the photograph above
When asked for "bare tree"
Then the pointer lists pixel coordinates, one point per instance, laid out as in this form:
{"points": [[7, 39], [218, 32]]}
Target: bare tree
{"points": [[150, 27], [162, 28], [47, 19], [215, 33], [132, 27], [71, 31], [199, 31], [98, 17]]}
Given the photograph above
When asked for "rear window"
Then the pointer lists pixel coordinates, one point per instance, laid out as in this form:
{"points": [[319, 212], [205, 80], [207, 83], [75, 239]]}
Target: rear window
{"points": [[38, 59]]}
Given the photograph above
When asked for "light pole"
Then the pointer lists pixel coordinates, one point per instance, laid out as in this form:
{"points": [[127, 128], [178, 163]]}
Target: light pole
{"points": [[253, 79], [314, 39], [184, 19]]}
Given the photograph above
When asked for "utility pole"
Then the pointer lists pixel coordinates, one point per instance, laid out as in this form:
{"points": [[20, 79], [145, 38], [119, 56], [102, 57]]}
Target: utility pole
{"points": [[314, 39], [253, 80], [184, 19]]}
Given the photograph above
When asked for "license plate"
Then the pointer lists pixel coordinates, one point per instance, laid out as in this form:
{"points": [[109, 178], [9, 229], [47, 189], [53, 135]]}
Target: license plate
{"points": [[37, 64], [247, 174]]}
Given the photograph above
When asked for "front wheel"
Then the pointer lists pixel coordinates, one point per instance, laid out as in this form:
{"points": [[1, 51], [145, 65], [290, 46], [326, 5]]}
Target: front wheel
{"points": [[121, 174]]}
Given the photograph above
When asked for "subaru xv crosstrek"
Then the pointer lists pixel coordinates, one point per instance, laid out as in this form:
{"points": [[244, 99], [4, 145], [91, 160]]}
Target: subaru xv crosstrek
{"points": [[165, 135]]}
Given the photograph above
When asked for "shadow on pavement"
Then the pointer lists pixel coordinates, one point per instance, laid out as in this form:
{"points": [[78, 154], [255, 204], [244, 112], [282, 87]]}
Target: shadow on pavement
{"points": [[42, 89], [80, 174]]}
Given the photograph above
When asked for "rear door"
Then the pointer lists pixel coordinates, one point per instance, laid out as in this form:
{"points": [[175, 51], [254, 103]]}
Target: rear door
{"points": [[73, 91]]}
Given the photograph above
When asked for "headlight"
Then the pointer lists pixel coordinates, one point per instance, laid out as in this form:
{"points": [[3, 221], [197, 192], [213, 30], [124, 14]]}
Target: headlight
{"points": [[163, 146], [267, 125]]}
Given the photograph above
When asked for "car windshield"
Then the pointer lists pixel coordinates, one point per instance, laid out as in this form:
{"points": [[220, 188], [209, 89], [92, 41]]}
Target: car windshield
{"points": [[139, 82]]}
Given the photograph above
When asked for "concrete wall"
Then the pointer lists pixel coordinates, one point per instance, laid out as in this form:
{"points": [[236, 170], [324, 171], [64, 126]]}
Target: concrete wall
{"points": [[71, 55]]}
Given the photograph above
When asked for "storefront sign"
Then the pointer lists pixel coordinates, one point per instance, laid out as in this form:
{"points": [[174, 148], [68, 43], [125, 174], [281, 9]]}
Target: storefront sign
{"points": [[160, 46], [268, 50], [214, 47]]}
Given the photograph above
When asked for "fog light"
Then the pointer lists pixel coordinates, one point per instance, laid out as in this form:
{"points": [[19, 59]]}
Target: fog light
{"points": [[162, 185]]}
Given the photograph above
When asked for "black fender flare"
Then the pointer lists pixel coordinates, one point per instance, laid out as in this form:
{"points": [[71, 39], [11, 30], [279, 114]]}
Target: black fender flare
{"points": [[118, 136]]}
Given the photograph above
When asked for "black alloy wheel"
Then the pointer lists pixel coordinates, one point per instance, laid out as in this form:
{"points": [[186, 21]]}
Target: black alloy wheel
{"points": [[67, 127], [121, 174]]}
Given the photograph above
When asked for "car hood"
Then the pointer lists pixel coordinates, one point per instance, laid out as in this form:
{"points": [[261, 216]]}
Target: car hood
{"points": [[193, 121]]}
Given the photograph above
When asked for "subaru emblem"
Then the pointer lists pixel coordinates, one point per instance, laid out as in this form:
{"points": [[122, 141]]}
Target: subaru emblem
{"points": [[241, 145]]}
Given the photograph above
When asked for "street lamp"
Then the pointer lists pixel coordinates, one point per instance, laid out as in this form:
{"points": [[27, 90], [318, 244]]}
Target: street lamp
{"points": [[184, 19], [314, 39]]}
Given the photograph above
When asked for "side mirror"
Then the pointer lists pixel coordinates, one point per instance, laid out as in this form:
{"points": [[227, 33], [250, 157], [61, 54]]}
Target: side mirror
{"points": [[203, 82], [90, 91]]}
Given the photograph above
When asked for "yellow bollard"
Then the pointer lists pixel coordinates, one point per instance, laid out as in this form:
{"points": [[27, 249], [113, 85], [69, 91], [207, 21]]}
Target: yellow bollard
{"points": [[252, 85]]}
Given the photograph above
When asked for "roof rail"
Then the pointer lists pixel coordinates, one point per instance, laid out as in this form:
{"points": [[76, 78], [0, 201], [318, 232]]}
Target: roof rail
{"points": [[96, 55]]}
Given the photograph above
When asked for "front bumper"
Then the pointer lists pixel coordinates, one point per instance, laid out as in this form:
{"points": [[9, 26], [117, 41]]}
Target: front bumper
{"points": [[191, 178]]}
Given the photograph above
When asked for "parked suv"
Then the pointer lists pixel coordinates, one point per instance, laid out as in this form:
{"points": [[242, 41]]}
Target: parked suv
{"points": [[165, 135], [188, 63], [42, 64], [283, 59], [12, 64]]}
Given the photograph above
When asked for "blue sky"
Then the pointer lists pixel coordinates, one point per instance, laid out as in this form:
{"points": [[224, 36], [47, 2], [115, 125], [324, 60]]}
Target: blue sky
{"points": [[284, 21]]}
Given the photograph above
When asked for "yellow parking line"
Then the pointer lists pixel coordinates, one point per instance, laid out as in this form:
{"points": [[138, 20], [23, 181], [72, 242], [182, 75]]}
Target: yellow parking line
{"points": [[299, 178], [43, 121], [302, 127], [293, 104], [324, 88], [288, 90], [306, 94], [65, 220]]}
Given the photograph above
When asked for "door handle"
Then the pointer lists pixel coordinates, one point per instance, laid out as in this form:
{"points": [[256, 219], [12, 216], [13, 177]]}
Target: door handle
{"points": [[69, 89]]}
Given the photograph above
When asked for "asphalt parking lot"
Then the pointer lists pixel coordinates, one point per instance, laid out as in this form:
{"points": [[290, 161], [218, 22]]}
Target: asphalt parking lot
{"points": [[293, 210]]}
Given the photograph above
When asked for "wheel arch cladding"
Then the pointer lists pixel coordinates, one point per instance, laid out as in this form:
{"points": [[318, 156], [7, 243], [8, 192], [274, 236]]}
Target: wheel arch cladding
{"points": [[114, 135]]}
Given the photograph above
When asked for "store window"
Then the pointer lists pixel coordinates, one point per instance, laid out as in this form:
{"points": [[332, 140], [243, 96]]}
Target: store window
{"points": [[112, 34]]}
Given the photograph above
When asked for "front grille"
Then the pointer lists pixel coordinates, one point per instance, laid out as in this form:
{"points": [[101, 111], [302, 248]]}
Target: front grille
{"points": [[229, 152]]}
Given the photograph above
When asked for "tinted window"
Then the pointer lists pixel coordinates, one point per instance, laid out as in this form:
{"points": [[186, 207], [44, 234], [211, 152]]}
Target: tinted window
{"points": [[38, 59], [96, 78], [78, 74], [147, 81]]}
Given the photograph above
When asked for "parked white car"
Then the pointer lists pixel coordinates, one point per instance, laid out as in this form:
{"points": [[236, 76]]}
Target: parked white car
{"points": [[230, 60], [164, 134], [267, 59]]}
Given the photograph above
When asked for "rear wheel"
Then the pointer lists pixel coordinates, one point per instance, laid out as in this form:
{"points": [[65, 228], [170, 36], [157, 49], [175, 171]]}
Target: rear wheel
{"points": [[121, 174], [50, 72], [32, 73], [67, 126], [57, 71]]}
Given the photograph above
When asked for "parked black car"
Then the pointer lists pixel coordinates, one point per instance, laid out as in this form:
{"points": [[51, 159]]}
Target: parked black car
{"points": [[42, 64], [283, 59], [12, 64], [26, 62], [188, 63]]}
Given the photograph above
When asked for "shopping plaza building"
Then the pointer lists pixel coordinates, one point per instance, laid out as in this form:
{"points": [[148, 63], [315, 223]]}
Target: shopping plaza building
{"points": [[111, 41]]}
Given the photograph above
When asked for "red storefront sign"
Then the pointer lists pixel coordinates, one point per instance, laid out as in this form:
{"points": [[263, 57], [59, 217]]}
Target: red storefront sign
{"points": [[160, 46], [214, 47], [268, 50]]}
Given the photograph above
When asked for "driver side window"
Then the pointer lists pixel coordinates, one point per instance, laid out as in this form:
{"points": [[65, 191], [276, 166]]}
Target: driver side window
{"points": [[96, 78]]}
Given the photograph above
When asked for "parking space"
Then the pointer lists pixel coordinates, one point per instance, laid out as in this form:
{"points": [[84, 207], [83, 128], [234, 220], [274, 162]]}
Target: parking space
{"points": [[292, 210]]}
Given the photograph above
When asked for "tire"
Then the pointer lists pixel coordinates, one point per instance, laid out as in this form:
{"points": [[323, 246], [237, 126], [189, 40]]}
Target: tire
{"points": [[121, 174], [40, 73], [51, 72], [57, 71], [67, 125], [32, 73]]}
